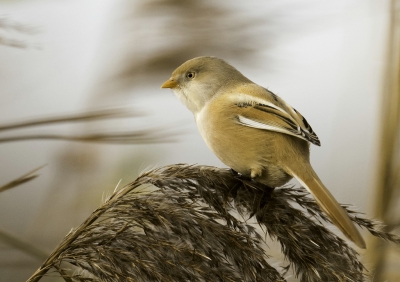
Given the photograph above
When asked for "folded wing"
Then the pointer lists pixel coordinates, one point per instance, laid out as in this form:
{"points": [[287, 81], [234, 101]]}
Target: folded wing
{"points": [[264, 114]]}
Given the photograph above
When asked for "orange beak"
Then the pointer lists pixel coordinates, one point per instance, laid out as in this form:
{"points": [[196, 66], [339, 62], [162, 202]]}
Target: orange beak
{"points": [[170, 83]]}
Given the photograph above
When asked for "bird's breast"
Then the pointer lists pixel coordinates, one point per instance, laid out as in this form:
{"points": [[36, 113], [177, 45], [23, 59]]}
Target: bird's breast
{"points": [[205, 126]]}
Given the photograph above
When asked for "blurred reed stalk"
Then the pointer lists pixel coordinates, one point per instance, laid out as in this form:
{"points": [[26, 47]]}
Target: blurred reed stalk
{"points": [[154, 135], [22, 245], [384, 258], [15, 34], [176, 223], [20, 180]]}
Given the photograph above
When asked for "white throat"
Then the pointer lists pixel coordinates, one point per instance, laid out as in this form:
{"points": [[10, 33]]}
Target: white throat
{"points": [[193, 105]]}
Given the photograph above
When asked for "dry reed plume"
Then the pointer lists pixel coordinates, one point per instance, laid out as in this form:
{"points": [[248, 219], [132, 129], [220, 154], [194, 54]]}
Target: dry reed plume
{"points": [[182, 229]]}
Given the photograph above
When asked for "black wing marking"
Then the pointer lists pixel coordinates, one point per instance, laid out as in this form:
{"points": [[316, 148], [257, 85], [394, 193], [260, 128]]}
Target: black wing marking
{"points": [[308, 130], [285, 123]]}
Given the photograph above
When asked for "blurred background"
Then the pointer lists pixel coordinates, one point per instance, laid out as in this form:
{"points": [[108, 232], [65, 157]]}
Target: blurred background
{"points": [[336, 62]]}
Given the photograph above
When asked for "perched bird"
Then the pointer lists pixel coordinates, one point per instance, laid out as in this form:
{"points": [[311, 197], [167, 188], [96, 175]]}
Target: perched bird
{"points": [[253, 131]]}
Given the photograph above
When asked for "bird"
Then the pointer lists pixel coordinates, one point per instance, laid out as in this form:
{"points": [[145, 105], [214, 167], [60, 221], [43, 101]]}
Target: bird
{"points": [[254, 131]]}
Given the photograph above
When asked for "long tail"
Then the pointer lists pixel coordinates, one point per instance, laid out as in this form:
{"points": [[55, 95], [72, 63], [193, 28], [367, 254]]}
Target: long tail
{"points": [[309, 179]]}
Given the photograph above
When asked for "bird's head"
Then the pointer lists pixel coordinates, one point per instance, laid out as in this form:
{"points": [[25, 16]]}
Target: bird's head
{"points": [[198, 80]]}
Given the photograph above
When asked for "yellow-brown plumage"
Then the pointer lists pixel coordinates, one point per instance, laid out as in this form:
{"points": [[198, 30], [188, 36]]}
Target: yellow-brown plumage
{"points": [[253, 131]]}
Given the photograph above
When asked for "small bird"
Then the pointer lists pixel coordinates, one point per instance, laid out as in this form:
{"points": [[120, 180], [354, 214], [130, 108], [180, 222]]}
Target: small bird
{"points": [[253, 131]]}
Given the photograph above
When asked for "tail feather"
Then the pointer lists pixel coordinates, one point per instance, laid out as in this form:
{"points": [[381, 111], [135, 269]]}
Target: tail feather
{"points": [[338, 215]]}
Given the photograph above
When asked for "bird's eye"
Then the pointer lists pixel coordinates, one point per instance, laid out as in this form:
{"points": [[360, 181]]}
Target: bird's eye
{"points": [[190, 75]]}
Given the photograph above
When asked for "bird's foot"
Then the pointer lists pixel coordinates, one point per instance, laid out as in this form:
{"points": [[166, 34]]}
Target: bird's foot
{"points": [[241, 176]]}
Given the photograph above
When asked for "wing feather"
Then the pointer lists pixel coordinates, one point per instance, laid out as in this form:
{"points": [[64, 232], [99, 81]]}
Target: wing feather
{"points": [[264, 114]]}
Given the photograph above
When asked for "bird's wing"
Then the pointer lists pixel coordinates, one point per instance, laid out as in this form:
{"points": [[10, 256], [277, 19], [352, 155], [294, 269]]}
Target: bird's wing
{"points": [[274, 115]]}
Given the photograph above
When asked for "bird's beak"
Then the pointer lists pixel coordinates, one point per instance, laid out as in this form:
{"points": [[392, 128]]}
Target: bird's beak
{"points": [[170, 83]]}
